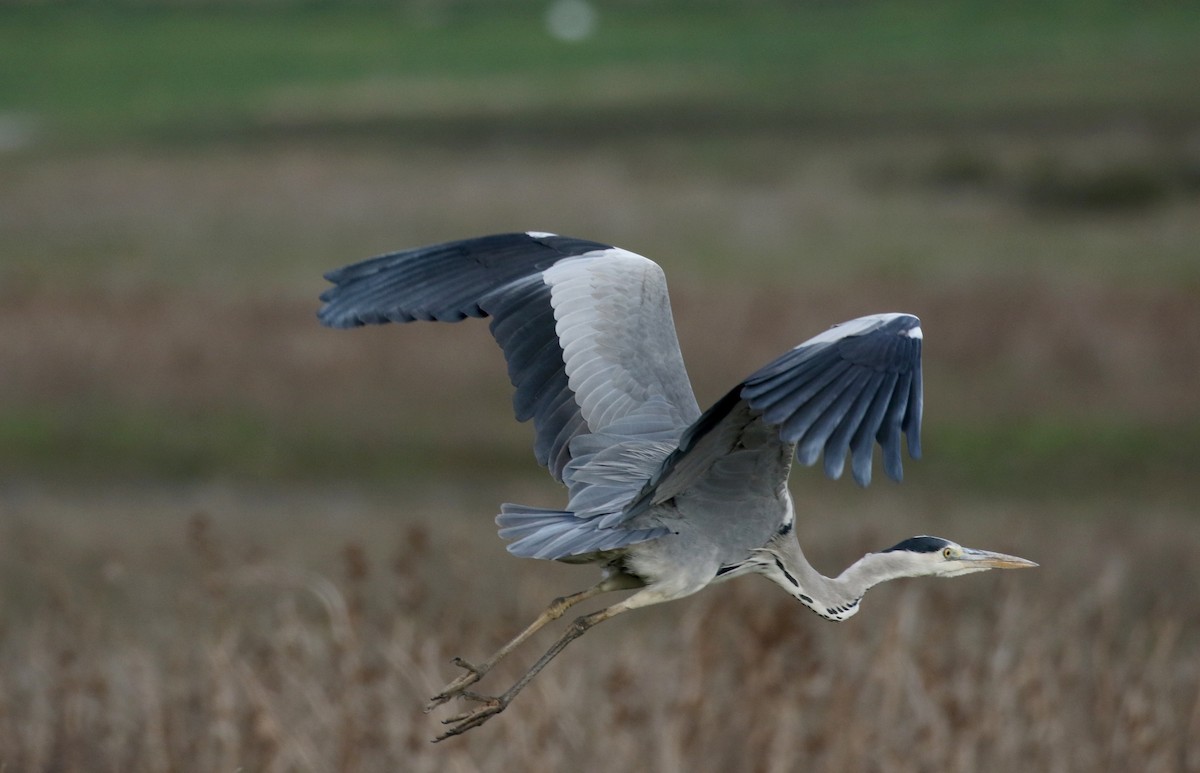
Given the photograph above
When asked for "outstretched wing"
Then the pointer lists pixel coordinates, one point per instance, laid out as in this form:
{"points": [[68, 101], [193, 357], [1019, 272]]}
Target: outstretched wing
{"points": [[840, 392], [586, 328]]}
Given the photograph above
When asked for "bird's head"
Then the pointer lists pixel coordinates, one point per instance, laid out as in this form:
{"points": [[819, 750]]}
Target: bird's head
{"points": [[937, 557]]}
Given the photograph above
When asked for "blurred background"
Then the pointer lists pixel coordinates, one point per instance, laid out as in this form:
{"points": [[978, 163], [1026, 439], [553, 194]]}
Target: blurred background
{"points": [[231, 538]]}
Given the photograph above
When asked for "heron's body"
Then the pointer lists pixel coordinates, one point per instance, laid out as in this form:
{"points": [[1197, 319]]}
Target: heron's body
{"points": [[668, 499]]}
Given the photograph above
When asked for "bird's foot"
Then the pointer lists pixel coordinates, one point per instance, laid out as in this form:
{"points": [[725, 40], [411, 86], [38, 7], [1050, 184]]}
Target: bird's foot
{"points": [[458, 686], [488, 708]]}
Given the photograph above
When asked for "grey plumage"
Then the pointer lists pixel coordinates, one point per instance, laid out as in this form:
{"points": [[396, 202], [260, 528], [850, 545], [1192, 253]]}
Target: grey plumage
{"points": [[666, 498], [590, 343]]}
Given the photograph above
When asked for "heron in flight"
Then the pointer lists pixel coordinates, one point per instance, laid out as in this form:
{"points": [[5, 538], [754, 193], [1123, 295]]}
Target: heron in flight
{"points": [[665, 498]]}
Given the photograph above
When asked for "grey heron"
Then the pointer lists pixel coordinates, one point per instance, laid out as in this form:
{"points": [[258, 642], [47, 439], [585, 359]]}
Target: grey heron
{"points": [[665, 498]]}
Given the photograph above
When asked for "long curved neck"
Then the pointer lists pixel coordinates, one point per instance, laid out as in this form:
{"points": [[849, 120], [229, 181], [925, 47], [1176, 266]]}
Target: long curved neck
{"points": [[834, 598]]}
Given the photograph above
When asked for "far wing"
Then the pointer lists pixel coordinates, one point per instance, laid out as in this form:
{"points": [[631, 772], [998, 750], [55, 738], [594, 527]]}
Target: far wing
{"points": [[840, 392], [854, 384], [586, 328]]}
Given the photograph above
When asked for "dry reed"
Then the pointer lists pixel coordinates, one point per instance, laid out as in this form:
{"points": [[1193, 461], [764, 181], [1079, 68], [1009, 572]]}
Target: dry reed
{"points": [[157, 641]]}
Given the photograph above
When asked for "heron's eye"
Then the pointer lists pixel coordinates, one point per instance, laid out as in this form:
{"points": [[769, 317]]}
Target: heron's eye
{"points": [[948, 552]]}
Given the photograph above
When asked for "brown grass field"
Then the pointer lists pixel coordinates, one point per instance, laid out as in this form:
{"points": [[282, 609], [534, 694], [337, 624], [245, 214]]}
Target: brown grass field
{"points": [[220, 628], [241, 542], [231, 540]]}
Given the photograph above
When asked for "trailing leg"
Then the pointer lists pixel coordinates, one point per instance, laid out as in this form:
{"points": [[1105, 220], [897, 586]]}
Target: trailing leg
{"points": [[473, 673], [490, 707]]}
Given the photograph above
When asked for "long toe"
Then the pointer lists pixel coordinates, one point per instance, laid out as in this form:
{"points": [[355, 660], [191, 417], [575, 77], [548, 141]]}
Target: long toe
{"points": [[478, 671], [458, 686], [449, 693], [461, 723]]}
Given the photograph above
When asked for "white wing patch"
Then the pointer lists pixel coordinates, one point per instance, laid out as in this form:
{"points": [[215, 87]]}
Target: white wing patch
{"points": [[856, 326], [613, 321]]}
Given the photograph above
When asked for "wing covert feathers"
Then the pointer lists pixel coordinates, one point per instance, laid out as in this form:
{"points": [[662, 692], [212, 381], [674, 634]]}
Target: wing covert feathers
{"points": [[590, 344]]}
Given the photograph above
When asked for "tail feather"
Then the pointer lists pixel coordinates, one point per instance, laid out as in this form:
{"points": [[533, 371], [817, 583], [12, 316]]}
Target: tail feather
{"points": [[537, 532]]}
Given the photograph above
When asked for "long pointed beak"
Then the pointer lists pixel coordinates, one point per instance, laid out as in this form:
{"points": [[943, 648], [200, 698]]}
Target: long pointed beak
{"points": [[992, 560]]}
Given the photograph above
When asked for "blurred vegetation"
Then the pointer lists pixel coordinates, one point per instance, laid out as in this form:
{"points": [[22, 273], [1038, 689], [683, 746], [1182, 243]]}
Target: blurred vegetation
{"points": [[232, 539], [1024, 175], [199, 630], [424, 70]]}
